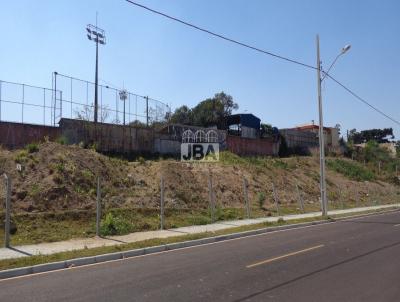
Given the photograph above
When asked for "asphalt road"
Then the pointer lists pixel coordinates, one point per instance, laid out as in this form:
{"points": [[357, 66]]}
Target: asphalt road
{"points": [[353, 260]]}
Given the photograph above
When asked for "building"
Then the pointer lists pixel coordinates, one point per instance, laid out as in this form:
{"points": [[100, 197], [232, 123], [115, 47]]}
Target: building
{"points": [[244, 125], [304, 140], [307, 136], [331, 134], [243, 136]]}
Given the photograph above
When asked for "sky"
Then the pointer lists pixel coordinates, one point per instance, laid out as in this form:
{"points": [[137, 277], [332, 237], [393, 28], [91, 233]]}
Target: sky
{"points": [[154, 56]]}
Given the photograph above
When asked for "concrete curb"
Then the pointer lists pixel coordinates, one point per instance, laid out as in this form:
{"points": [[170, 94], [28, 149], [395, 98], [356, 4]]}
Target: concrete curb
{"points": [[40, 268]]}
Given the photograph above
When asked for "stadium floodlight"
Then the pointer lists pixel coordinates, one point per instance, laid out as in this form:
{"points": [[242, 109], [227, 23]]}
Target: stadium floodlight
{"points": [[123, 95], [96, 35]]}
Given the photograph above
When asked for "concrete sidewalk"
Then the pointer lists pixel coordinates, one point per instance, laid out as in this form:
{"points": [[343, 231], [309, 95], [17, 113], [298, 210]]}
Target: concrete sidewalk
{"points": [[78, 244]]}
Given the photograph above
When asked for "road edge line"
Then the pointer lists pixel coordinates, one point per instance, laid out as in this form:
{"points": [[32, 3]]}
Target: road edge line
{"points": [[90, 260]]}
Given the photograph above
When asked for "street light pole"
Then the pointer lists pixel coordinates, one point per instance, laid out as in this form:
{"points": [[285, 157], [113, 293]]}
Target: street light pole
{"points": [[324, 200], [97, 35], [321, 137]]}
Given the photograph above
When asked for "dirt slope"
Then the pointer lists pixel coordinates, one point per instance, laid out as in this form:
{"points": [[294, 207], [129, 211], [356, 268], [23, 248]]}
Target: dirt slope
{"points": [[57, 177]]}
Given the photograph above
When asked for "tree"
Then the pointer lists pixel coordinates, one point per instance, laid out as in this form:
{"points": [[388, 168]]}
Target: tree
{"points": [[213, 111], [137, 123], [210, 112], [377, 135], [87, 113], [398, 148], [266, 130], [182, 115]]}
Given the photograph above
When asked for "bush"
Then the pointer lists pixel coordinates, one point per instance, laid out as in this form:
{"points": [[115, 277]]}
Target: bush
{"points": [[21, 157], [261, 199], [62, 140], [32, 147], [113, 225], [350, 169]]}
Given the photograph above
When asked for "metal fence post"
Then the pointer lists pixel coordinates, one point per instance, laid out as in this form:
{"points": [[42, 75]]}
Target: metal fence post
{"points": [[357, 197], [341, 198], [246, 197], [211, 197], [301, 202], [276, 200], [8, 210], [98, 208], [368, 197], [162, 203]]}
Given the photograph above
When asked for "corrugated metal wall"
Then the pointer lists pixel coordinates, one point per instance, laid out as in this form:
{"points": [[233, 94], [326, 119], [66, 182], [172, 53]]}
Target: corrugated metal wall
{"points": [[17, 135], [248, 146], [109, 137]]}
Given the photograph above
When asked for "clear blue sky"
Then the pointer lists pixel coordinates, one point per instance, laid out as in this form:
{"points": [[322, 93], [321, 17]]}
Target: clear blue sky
{"points": [[168, 61]]}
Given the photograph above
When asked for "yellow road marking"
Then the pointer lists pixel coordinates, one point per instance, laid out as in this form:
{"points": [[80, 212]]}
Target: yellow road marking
{"points": [[285, 256]]}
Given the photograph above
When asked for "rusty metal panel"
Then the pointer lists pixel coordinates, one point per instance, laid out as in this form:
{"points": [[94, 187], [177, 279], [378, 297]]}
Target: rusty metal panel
{"points": [[246, 146], [17, 135]]}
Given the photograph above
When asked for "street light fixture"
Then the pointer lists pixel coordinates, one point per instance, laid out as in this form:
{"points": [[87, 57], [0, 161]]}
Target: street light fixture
{"points": [[96, 35], [342, 52], [324, 201]]}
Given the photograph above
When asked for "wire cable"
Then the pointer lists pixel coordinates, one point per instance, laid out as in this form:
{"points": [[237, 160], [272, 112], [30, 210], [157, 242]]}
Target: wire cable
{"points": [[363, 100], [326, 74], [221, 36]]}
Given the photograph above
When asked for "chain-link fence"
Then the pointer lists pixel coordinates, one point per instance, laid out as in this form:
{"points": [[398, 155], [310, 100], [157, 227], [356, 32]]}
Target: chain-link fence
{"points": [[133, 202], [73, 98], [29, 104], [78, 103]]}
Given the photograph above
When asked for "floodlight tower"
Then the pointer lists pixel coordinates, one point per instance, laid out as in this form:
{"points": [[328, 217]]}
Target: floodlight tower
{"points": [[123, 95], [96, 35]]}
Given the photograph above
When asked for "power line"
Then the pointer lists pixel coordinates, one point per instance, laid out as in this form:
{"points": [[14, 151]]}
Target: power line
{"points": [[264, 52], [221, 36], [363, 100]]}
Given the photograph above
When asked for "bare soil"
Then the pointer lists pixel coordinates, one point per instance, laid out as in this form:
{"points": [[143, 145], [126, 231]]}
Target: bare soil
{"points": [[59, 178]]}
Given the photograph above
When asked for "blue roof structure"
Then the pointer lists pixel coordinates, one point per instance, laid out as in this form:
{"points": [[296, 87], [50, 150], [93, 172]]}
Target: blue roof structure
{"points": [[244, 119]]}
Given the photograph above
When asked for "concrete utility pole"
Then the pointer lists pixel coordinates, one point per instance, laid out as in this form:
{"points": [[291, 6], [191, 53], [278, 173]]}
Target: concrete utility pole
{"points": [[321, 137], [96, 35], [324, 202]]}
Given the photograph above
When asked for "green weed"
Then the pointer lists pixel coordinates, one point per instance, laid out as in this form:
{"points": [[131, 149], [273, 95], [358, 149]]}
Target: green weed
{"points": [[350, 169]]}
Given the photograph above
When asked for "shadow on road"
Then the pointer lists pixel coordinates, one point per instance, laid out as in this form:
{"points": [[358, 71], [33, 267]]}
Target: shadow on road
{"points": [[317, 271]]}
